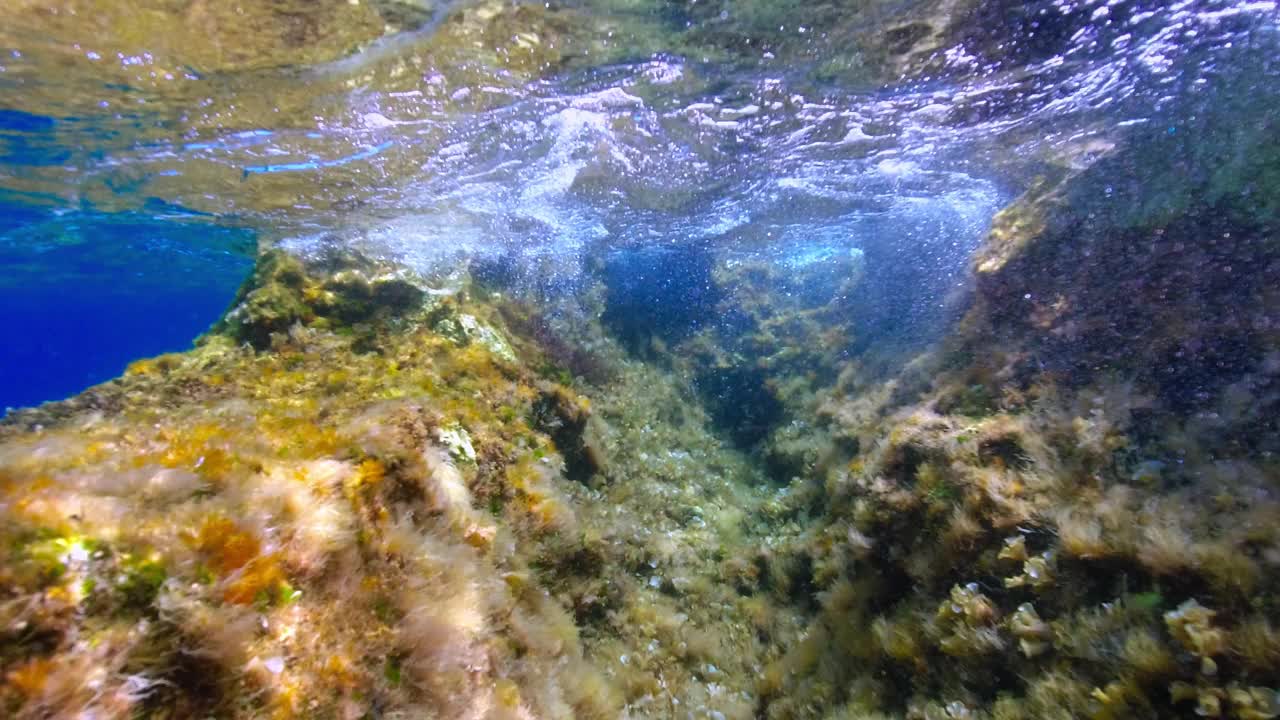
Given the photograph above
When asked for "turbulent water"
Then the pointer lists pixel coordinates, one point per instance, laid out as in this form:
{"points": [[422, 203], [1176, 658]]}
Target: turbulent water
{"points": [[899, 290], [750, 154]]}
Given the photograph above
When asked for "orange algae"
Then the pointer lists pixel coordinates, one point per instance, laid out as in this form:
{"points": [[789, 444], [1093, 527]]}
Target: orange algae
{"points": [[201, 449], [228, 546], [235, 554], [30, 677]]}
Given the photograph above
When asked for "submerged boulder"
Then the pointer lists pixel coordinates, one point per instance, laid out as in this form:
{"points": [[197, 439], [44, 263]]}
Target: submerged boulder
{"points": [[1091, 453], [283, 293]]}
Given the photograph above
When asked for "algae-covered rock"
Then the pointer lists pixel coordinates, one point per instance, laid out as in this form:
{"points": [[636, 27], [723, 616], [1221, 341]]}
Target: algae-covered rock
{"points": [[723, 489], [1059, 503], [1137, 264], [283, 292], [213, 530], [465, 329], [210, 36], [271, 301], [282, 523], [409, 14]]}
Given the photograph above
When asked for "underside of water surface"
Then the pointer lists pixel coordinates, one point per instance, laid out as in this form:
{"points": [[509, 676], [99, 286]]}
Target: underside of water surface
{"points": [[705, 359]]}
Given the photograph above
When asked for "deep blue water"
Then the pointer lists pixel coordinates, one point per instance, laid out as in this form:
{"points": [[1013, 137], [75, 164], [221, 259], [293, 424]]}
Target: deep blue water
{"points": [[83, 294]]}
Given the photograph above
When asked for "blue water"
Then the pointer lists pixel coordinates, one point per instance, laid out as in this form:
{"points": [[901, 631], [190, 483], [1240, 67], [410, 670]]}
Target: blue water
{"points": [[84, 294]]}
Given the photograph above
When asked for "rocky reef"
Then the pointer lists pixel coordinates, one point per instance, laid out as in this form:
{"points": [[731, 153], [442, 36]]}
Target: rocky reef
{"points": [[362, 495], [366, 493], [704, 486], [1069, 508]]}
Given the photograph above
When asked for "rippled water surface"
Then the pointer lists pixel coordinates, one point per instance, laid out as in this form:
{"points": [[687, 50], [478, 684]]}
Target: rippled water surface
{"points": [[546, 134]]}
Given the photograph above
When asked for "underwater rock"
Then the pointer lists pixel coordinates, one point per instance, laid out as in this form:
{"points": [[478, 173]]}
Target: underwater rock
{"points": [[283, 292], [270, 302], [457, 442], [577, 433], [362, 496], [214, 37], [408, 14], [465, 329], [1057, 457], [302, 527], [1101, 269]]}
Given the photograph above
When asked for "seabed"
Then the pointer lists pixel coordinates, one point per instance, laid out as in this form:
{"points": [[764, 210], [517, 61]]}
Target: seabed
{"points": [[372, 490]]}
